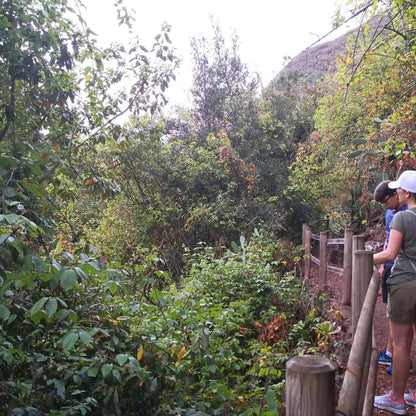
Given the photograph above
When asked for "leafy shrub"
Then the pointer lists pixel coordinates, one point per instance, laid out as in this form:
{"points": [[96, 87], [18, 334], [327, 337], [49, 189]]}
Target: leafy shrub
{"points": [[74, 340]]}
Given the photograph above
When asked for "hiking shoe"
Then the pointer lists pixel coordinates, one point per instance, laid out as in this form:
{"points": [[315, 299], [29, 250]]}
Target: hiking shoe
{"points": [[390, 369], [383, 358], [410, 398], [387, 403]]}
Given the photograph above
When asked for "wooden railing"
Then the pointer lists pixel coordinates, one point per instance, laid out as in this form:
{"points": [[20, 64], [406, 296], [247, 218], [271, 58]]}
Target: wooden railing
{"points": [[349, 242], [310, 380]]}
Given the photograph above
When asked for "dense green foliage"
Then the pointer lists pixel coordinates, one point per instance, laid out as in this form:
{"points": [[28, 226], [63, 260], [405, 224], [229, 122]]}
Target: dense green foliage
{"points": [[364, 121], [123, 289]]}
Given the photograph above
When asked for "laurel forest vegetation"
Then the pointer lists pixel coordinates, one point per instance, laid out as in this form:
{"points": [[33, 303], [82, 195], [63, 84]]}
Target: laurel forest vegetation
{"points": [[150, 263]]}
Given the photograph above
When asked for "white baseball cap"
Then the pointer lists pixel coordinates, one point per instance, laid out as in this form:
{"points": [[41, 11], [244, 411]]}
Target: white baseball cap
{"points": [[406, 181]]}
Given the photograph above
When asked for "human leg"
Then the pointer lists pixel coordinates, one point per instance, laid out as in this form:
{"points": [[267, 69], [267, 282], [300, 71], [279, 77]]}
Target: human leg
{"points": [[402, 339]]}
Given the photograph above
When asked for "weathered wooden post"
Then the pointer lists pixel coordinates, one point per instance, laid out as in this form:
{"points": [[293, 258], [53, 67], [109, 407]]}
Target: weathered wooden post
{"points": [[347, 267], [350, 401], [310, 386], [323, 259], [307, 241], [368, 407], [362, 267]]}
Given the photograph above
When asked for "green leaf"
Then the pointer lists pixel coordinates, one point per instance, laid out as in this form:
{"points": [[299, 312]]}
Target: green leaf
{"points": [[8, 358], [51, 307], [90, 269], [38, 306], [116, 374], [81, 274], [4, 312], [106, 369], [112, 287], [39, 265], [9, 192], [92, 371], [85, 337], [361, 163], [235, 247], [122, 359], [69, 340], [68, 279], [354, 154], [271, 400], [358, 140], [3, 238], [60, 388]]}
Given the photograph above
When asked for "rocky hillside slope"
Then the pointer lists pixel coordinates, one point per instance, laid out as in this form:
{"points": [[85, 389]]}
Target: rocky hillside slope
{"points": [[317, 61]]}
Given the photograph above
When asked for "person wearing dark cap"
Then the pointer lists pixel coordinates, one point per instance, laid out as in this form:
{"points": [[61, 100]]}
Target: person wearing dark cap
{"points": [[389, 199], [401, 303]]}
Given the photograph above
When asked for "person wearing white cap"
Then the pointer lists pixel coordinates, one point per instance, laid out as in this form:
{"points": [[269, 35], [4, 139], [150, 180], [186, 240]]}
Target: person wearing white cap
{"points": [[401, 304]]}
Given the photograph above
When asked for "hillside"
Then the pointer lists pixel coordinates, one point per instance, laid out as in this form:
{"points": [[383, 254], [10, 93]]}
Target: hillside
{"points": [[317, 61]]}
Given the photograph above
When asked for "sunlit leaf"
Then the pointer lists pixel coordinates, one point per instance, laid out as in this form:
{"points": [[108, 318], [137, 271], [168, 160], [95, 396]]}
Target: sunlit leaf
{"points": [[140, 353]]}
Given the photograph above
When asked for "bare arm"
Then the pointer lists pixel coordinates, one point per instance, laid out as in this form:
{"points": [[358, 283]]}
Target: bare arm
{"points": [[391, 252]]}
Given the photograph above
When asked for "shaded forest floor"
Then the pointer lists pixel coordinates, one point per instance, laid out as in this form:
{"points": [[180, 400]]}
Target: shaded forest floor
{"points": [[334, 293]]}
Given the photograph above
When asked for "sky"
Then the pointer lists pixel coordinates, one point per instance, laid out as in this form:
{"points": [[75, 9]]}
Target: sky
{"points": [[268, 30]]}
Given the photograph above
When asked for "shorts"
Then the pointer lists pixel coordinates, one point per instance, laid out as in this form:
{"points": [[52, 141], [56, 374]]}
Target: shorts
{"points": [[401, 304], [384, 288]]}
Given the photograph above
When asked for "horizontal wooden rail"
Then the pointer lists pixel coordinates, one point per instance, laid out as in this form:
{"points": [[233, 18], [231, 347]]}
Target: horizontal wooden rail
{"points": [[330, 241], [332, 269]]}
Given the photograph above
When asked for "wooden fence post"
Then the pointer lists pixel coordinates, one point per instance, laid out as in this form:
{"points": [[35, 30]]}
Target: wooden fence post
{"points": [[307, 241], [349, 398], [362, 267], [368, 407], [347, 267], [323, 259], [310, 386]]}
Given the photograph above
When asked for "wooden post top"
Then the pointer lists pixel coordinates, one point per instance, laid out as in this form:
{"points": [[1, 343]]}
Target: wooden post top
{"points": [[310, 364]]}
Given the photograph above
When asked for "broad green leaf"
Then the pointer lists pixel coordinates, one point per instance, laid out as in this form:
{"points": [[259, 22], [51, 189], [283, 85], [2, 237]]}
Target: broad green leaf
{"points": [[85, 337], [68, 279], [4, 312], [12, 218], [90, 269], [92, 371], [51, 307], [106, 369], [122, 359], [27, 264], [9, 192], [38, 306], [116, 374], [112, 287], [81, 274], [235, 247], [39, 265], [271, 400], [60, 388], [69, 341], [8, 358]]}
